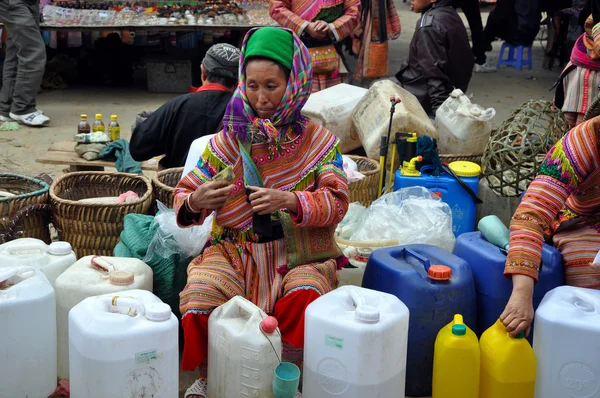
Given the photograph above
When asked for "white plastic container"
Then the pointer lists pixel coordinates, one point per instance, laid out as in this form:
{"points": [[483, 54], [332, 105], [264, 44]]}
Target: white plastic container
{"points": [[83, 280], [332, 108], [123, 346], [566, 342], [371, 116], [27, 334], [52, 259], [243, 352], [196, 150], [356, 345], [463, 127]]}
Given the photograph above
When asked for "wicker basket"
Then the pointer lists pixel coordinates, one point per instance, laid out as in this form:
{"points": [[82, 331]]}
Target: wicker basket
{"points": [[365, 190], [94, 228], [24, 215], [163, 185]]}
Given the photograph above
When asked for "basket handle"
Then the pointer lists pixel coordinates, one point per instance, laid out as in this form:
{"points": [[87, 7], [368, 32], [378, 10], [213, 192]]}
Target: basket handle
{"points": [[24, 212]]}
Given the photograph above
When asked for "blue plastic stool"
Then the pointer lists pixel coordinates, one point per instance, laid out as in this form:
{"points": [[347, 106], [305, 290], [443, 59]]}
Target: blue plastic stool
{"points": [[518, 62]]}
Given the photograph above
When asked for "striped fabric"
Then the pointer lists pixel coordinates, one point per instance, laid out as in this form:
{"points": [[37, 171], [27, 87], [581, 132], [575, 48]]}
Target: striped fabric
{"points": [[581, 88], [296, 14], [228, 269], [567, 188]]}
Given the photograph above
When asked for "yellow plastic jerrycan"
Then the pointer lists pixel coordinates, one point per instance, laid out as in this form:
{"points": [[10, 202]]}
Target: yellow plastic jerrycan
{"points": [[507, 365], [456, 362]]}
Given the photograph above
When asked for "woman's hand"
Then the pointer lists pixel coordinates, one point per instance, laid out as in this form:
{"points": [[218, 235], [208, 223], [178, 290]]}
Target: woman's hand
{"points": [[317, 30], [210, 195], [267, 200], [518, 314]]}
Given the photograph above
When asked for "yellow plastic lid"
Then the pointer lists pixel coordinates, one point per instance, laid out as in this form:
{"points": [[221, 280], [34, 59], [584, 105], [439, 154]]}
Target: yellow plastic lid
{"points": [[98, 116], [465, 169], [84, 117], [413, 138], [113, 118]]}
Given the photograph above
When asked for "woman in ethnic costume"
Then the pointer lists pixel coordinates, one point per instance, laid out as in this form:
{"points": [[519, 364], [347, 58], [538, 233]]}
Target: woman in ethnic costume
{"points": [[320, 24], [578, 83], [563, 202], [304, 190]]}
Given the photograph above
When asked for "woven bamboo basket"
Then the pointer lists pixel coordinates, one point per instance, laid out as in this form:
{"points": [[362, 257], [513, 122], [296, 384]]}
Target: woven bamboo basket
{"points": [[95, 228], [164, 183], [365, 190], [24, 215]]}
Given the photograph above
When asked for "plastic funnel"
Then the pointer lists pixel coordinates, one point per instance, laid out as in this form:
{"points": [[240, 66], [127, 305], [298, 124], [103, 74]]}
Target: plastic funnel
{"points": [[286, 380]]}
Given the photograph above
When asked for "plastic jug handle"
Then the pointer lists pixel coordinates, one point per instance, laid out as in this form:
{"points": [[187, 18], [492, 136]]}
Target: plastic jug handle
{"points": [[27, 246], [358, 299], [7, 273], [21, 272], [125, 305], [422, 260], [101, 265]]}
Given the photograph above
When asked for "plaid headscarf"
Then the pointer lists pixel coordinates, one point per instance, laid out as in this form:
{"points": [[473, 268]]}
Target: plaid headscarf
{"points": [[241, 122]]}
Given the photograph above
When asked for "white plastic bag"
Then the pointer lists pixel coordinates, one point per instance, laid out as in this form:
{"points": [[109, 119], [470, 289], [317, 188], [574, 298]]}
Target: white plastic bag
{"points": [[463, 127], [351, 169], [409, 215], [351, 221], [170, 239]]}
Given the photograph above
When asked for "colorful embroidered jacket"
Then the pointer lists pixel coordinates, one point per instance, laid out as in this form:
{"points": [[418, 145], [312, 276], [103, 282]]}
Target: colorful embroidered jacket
{"points": [[311, 166], [342, 15], [567, 187]]}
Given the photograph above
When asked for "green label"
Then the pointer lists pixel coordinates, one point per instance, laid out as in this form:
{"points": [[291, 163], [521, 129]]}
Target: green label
{"points": [[145, 357], [334, 342]]}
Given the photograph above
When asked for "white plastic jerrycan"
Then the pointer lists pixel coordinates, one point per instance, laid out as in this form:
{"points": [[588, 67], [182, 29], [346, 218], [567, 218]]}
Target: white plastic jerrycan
{"points": [[92, 276], [123, 345], [566, 341], [52, 259], [27, 333], [244, 348], [356, 344]]}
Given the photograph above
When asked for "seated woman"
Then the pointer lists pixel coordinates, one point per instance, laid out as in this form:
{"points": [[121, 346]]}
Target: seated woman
{"points": [[578, 83], [563, 202], [304, 192]]}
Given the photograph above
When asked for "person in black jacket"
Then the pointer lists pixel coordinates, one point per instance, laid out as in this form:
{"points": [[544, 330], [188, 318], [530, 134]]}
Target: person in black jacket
{"points": [[172, 128], [439, 58]]}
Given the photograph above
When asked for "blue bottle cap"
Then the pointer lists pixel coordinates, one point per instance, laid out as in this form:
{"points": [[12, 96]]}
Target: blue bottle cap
{"points": [[459, 330]]}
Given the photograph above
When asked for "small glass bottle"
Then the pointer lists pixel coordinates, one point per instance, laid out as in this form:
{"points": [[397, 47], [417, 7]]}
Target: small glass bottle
{"points": [[114, 129], [98, 124], [84, 126]]}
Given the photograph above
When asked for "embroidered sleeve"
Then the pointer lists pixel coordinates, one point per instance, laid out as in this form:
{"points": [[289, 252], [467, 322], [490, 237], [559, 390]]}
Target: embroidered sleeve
{"points": [[208, 166], [570, 161], [329, 202], [281, 12], [344, 25]]}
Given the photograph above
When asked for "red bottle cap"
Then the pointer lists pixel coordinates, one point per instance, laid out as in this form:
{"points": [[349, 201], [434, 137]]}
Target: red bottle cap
{"points": [[269, 324], [440, 273]]}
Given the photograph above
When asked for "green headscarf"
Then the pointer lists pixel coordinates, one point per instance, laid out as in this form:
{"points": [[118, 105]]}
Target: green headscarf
{"points": [[273, 43]]}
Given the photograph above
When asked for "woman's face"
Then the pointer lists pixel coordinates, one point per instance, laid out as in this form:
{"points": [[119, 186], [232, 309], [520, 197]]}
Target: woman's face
{"points": [[265, 86]]}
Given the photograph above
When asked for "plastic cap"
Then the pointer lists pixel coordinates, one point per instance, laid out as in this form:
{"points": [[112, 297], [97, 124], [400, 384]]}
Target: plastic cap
{"points": [[113, 117], [98, 116], [459, 330], [84, 116], [158, 312], [465, 169], [367, 313], [121, 278], [520, 335], [440, 273], [60, 248], [269, 324]]}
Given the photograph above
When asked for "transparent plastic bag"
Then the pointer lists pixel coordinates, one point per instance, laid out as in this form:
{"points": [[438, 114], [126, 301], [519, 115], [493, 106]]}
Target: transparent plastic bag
{"points": [[170, 239], [409, 215], [351, 221]]}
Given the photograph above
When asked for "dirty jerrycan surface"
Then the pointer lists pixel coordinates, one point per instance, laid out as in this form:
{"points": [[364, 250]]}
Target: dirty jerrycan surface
{"points": [[567, 332], [456, 361], [244, 348], [508, 365]]}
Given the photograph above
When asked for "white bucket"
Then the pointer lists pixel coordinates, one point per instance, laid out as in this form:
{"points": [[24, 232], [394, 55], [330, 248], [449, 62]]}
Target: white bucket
{"points": [[52, 259], [123, 346], [83, 280], [242, 353], [356, 345], [28, 333]]}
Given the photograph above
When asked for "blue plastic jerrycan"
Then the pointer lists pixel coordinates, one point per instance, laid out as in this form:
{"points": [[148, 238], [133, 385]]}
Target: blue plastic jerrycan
{"points": [[434, 285], [487, 263]]}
